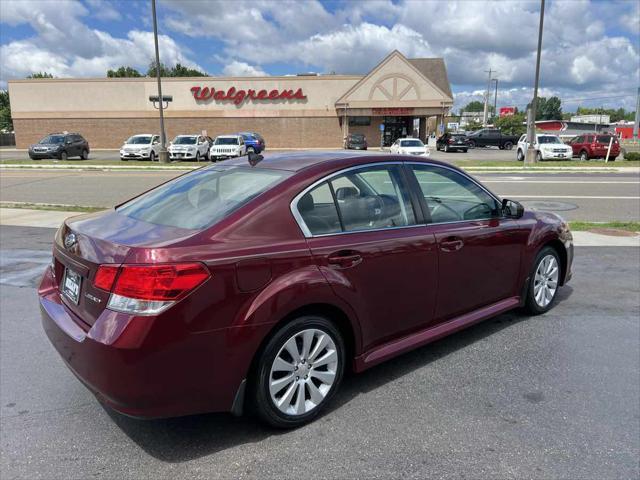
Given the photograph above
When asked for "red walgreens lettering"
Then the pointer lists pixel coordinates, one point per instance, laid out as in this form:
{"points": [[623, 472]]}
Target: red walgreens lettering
{"points": [[239, 96]]}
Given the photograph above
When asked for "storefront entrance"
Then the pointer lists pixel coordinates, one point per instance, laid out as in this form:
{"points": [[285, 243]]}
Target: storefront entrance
{"points": [[397, 127]]}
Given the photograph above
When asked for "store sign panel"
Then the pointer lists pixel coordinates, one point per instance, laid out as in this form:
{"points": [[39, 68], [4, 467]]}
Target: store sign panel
{"points": [[239, 96], [392, 111]]}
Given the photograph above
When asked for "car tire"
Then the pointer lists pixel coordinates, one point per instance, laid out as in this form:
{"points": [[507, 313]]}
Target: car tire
{"points": [[520, 156], [272, 367], [508, 145], [612, 159], [472, 144], [539, 157], [584, 156], [152, 156], [123, 159], [464, 150], [546, 272], [252, 150], [84, 155], [446, 148], [197, 156], [63, 156]]}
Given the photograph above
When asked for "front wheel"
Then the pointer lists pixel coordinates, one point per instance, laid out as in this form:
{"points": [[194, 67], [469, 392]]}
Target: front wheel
{"points": [[520, 156], [152, 156], [539, 157], [584, 156], [464, 150], [544, 282], [197, 156], [446, 148], [253, 150], [472, 144], [63, 156], [298, 372]]}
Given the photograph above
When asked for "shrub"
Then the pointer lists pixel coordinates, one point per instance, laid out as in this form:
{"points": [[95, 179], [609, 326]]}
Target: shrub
{"points": [[633, 156]]}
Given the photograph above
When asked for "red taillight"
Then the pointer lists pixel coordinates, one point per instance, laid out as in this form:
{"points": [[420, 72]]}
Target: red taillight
{"points": [[159, 282], [105, 276]]}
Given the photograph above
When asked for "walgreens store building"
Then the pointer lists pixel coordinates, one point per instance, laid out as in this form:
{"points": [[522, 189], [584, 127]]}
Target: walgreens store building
{"points": [[399, 97]]}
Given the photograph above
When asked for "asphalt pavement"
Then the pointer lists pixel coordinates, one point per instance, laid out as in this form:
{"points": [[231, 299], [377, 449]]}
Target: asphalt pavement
{"points": [[598, 196], [554, 396]]}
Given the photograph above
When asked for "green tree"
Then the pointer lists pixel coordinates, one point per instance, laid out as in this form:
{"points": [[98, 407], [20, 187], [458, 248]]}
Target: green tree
{"points": [[472, 126], [552, 109], [6, 123], [512, 124], [473, 106], [124, 72], [40, 75], [178, 70]]}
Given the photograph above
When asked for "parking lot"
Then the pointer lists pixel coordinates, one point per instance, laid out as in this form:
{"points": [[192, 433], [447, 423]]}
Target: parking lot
{"points": [[554, 396]]}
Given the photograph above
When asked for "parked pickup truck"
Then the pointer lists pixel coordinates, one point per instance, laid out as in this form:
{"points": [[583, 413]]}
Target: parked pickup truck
{"points": [[492, 137]]}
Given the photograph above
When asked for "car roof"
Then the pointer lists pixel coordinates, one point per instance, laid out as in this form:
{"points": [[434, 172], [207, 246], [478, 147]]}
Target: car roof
{"points": [[298, 161], [409, 138], [233, 135]]}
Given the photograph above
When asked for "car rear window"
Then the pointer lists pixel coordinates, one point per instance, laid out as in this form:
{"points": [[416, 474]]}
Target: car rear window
{"points": [[202, 198], [604, 139], [411, 143]]}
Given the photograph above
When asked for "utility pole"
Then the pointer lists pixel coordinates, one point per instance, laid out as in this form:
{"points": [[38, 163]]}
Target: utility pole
{"points": [[637, 120], [495, 99], [163, 157], [486, 100], [531, 127]]}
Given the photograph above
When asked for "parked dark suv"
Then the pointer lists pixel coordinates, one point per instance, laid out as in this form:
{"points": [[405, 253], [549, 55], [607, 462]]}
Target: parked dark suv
{"points": [[453, 141], [355, 141], [60, 146]]}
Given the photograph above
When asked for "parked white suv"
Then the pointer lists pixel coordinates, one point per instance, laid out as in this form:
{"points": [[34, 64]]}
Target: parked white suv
{"points": [[144, 146], [409, 146], [189, 147], [227, 146], [548, 147]]}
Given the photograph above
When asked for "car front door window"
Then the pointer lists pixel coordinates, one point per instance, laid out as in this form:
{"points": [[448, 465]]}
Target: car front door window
{"points": [[451, 197]]}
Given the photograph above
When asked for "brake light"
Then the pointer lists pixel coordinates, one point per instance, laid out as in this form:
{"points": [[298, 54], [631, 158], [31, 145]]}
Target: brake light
{"points": [[149, 289], [105, 276]]}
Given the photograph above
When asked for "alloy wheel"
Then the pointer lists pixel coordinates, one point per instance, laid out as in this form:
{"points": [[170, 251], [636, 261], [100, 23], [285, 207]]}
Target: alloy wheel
{"points": [[303, 372], [546, 281]]}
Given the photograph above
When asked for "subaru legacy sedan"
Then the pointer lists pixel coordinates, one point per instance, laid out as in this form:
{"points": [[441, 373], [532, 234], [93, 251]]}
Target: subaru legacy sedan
{"points": [[255, 284]]}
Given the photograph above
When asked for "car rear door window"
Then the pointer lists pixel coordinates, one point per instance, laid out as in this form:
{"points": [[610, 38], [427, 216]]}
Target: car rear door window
{"points": [[203, 197], [318, 211], [452, 197]]}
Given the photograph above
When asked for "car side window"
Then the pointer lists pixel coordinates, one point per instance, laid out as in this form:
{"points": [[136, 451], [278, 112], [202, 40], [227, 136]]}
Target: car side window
{"points": [[452, 197], [373, 198], [318, 211]]}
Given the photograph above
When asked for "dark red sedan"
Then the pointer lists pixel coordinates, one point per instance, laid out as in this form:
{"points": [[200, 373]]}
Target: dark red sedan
{"points": [[259, 283]]}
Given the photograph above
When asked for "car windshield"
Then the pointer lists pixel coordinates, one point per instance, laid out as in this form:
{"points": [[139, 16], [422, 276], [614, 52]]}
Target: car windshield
{"points": [[202, 198], [56, 139], [411, 143], [139, 139], [549, 139], [226, 141], [184, 140], [357, 137]]}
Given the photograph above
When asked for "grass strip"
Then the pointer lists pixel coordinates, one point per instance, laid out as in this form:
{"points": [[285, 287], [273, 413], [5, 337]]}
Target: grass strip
{"points": [[51, 206], [578, 226]]}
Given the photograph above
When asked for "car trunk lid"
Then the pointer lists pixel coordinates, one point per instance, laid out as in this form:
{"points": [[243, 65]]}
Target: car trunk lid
{"points": [[85, 242]]}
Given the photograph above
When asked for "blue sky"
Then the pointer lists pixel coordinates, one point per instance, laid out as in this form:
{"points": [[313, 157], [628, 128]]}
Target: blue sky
{"points": [[591, 50]]}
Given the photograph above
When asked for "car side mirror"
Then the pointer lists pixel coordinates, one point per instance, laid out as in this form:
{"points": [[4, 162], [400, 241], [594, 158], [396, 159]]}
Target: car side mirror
{"points": [[512, 209]]}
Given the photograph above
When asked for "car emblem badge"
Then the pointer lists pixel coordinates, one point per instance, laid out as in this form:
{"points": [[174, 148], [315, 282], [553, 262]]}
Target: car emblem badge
{"points": [[70, 240]]}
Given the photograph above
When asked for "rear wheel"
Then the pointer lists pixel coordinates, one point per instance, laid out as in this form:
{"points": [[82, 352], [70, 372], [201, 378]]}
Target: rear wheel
{"points": [[508, 145], [472, 144], [85, 154], [63, 156], [539, 157], [584, 156], [520, 156], [298, 372], [544, 282]]}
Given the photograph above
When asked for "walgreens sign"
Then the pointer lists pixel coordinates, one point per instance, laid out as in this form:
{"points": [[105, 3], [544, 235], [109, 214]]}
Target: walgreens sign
{"points": [[239, 96]]}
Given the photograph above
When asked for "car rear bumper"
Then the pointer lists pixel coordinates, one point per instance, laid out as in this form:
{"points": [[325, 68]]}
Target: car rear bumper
{"points": [[140, 371]]}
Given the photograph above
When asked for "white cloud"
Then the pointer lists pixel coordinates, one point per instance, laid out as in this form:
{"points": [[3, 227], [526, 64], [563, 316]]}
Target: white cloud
{"points": [[103, 10], [242, 69], [65, 47]]}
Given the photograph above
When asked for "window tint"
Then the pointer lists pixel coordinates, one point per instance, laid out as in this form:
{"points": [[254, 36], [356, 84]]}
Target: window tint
{"points": [[373, 198], [318, 210], [203, 197], [411, 143], [453, 197], [605, 139]]}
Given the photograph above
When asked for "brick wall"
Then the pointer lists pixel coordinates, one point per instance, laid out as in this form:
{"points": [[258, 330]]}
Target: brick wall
{"points": [[290, 132]]}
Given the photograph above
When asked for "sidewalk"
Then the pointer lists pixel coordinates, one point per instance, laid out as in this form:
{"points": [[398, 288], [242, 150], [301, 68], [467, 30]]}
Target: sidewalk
{"points": [[23, 217]]}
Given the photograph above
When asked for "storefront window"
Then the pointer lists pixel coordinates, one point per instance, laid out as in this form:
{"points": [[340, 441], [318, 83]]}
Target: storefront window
{"points": [[359, 121]]}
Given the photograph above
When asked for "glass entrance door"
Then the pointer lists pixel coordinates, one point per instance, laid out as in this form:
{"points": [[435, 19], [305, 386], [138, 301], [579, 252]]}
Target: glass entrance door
{"points": [[396, 127]]}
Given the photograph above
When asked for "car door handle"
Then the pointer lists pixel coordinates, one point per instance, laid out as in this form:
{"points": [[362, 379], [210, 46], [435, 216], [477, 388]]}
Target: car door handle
{"points": [[346, 259], [451, 244]]}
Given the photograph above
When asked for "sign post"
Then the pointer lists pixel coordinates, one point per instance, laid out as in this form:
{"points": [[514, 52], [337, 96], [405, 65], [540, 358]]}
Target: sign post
{"points": [[381, 128]]}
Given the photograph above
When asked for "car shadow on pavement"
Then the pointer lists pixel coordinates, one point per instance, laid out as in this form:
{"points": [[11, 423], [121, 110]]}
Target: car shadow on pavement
{"points": [[182, 439]]}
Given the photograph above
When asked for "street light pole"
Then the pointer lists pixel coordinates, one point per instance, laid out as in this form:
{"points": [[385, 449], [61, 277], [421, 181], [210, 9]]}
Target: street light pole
{"points": [[495, 99], [162, 155], [531, 128]]}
